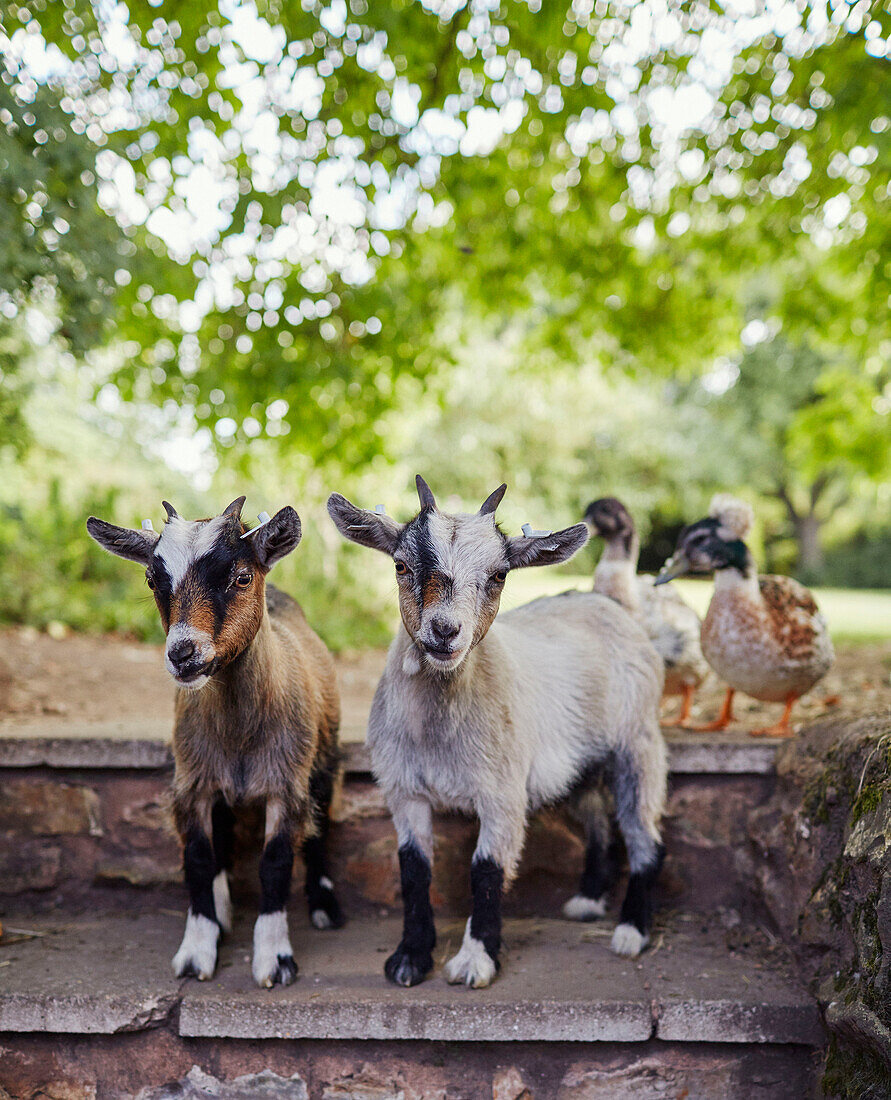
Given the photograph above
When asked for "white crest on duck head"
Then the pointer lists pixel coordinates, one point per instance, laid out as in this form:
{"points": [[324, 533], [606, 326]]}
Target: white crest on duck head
{"points": [[735, 516]]}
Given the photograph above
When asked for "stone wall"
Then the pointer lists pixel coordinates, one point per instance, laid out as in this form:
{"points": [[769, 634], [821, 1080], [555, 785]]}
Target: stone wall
{"points": [[102, 837], [156, 1065], [820, 862]]}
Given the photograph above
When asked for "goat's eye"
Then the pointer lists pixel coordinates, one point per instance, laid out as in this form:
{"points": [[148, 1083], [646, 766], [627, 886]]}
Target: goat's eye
{"points": [[500, 577], [149, 581], [243, 580], [401, 569]]}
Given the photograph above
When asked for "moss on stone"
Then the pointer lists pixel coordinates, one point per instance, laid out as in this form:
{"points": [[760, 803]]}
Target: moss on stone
{"points": [[854, 784]]}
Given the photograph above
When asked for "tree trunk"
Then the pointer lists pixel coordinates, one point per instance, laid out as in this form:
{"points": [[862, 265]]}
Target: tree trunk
{"points": [[811, 559]]}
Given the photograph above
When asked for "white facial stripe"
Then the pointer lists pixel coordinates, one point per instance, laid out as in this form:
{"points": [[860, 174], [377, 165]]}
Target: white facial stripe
{"points": [[467, 547], [183, 542]]}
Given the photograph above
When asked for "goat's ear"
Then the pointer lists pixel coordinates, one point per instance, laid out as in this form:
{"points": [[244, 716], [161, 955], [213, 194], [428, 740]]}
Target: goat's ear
{"points": [[546, 549], [276, 538], [126, 543], [373, 529]]}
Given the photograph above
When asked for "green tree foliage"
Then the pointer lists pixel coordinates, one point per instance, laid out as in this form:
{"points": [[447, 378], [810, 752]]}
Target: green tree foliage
{"points": [[58, 249], [805, 431], [376, 163], [483, 240]]}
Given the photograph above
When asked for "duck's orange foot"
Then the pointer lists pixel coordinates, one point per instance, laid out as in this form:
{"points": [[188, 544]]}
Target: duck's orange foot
{"points": [[683, 719], [777, 730], [721, 722], [709, 727], [782, 728]]}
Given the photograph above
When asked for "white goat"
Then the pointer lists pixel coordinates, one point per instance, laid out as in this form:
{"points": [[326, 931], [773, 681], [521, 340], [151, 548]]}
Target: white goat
{"points": [[501, 718]]}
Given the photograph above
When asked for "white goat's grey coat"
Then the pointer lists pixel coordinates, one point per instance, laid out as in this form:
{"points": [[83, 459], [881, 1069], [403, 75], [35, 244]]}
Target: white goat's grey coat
{"points": [[554, 688], [498, 718]]}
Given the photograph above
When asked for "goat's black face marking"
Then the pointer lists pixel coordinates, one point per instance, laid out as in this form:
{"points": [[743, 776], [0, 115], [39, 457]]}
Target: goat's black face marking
{"points": [[418, 552]]}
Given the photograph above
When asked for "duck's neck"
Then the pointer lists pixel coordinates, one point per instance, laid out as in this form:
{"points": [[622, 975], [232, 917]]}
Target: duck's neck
{"points": [[616, 572], [738, 581]]}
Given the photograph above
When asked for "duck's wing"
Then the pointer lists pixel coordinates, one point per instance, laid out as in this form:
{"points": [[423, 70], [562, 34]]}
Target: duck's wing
{"points": [[795, 621], [673, 627]]}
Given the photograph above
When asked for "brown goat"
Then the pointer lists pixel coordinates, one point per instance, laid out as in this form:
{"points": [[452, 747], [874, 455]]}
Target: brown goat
{"points": [[257, 715]]}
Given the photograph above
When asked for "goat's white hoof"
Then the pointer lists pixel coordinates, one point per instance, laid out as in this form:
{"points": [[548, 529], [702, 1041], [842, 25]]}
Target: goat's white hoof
{"points": [[197, 955], [582, 908], [628, 941], [320, 919], [473, 965], [273, 961], [222, 903]]}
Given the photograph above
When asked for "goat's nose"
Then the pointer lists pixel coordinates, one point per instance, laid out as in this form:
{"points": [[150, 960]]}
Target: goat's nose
{"points": [[181, 652], [444, 630]]}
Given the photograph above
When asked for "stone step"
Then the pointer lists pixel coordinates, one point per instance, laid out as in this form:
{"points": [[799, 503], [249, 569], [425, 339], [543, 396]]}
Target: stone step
{"points": [[146, 746], [90, 1009], [559, 983]]}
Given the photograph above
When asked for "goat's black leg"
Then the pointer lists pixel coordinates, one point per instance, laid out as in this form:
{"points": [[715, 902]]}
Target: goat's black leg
{"points": [[412, 960], [223, 830], [197, 955], [324, 908], [500, 842], [600, 869], [477, 963], [273, 960], [637, 808]]}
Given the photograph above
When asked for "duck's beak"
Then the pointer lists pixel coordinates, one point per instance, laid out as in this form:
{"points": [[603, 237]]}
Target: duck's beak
{"points": [[676, 566]]}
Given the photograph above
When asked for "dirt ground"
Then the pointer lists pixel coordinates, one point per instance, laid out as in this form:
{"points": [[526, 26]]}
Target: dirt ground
{"points": [[51, 685]]}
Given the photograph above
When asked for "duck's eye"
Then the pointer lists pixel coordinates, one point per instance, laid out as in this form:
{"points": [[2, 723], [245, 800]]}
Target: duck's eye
{"points": [[149, 581], [401, 569], [243, 580], [500, 577]]}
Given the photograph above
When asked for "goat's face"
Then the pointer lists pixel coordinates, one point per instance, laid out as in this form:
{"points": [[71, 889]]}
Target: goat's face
{"points": [[208, 582], [450, 569]]}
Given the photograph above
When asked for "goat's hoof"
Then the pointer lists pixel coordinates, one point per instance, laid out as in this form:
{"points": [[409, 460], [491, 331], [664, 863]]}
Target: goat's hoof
{"points": [[282, 971], [628, 941], [197, 955], [324, 908], [192, 967], [582, 908], [476, 972], [403, 968], [473, 965]]}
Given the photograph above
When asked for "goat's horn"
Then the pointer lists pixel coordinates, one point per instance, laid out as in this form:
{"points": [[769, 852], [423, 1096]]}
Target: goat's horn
{"points": [[170, 510], [234, 509], [492, 501], [424, 493]]}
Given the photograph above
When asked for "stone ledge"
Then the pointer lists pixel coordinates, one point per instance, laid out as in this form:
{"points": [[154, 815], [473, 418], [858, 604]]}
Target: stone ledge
{"points": [[559, 983], [689, 754]]}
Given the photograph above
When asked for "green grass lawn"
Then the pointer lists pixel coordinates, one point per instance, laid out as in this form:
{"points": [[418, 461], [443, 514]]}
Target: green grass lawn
{"points": [[854, 615]]}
